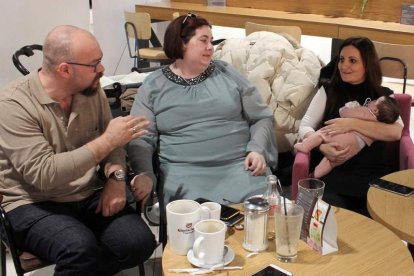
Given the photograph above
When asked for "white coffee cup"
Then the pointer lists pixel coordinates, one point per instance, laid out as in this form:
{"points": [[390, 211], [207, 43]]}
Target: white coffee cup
{"points": [[210, 210], [182, 215], [209, 241]]}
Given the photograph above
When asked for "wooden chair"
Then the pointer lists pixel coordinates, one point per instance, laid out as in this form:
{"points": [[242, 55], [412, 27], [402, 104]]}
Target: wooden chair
{"points": [[400, 153], [138, 28], [397, 61], [175, 15], [293, 31]]}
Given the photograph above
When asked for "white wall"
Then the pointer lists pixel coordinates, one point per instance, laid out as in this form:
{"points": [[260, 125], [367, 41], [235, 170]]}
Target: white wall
{"points": [[25, 22], [108, 27], [321, 46]]}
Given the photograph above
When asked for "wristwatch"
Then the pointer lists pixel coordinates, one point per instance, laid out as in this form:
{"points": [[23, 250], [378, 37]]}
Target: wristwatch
{"points": [[118, 175]]}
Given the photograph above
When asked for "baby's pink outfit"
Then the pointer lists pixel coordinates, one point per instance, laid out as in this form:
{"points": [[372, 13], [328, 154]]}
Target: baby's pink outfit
{"points": [[354, 140]]}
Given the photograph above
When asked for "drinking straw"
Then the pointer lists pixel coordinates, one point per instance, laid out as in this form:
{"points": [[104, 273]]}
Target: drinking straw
{"points": [[282, 195], [287, 227], [285, 209]]}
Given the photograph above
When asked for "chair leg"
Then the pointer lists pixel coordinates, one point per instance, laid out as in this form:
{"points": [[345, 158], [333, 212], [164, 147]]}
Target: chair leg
{"points": [[163, 235], [141, 268], [3, 259], [163, 232]]}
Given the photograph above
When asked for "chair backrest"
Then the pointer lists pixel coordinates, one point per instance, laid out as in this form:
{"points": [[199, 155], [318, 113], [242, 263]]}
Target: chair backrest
{"points": [[402, 52], [397, 61], [142, 23], [293, 31], [175, 15], [405, 111], [404, 101]]}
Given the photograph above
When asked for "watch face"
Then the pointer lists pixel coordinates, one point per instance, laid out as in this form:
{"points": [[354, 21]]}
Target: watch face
{"points": [[119, 175]]}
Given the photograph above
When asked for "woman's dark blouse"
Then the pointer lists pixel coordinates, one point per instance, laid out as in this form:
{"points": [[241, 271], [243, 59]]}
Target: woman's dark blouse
{"points": [[352, 178]]}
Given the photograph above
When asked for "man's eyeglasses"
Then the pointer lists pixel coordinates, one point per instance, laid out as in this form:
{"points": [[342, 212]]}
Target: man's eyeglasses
{"points": [[189, 15], [94, 66]]}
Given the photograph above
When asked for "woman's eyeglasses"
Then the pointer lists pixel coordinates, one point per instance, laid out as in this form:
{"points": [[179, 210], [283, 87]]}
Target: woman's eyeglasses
{"points": [[188, 16]]}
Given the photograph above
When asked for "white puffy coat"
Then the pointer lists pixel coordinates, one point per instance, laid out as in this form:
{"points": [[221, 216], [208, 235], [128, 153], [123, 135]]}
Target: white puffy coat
{"points": [[285, 74]]}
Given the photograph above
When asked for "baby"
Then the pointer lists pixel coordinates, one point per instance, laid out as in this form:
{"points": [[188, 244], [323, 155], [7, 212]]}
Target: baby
{"points": [[385, 109]]}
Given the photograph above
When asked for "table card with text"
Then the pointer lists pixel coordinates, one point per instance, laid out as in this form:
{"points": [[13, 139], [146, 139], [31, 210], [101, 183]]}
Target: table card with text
{"points": [[322, 229], [319, 229]]}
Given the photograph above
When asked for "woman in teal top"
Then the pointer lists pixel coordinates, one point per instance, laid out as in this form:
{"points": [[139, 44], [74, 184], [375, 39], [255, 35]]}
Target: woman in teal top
{"points": [[213, 132]]}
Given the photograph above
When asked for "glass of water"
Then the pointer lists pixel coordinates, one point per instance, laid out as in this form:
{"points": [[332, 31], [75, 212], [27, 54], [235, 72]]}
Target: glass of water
{"points": [[312, 186], [288, 219]]}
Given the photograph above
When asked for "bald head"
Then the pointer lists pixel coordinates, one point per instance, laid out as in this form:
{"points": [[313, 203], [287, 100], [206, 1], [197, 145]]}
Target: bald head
{"points": [[65, 43]]}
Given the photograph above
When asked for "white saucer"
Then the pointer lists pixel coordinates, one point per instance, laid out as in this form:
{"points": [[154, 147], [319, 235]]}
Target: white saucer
{"points": [[196, 262]]}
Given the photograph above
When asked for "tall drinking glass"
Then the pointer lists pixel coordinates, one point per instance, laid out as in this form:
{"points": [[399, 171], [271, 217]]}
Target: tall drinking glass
{"points": [[288, 219], [312, 186]]}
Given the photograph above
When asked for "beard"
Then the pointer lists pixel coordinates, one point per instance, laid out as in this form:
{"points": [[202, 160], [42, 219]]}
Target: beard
{"points": [[91, 90]]}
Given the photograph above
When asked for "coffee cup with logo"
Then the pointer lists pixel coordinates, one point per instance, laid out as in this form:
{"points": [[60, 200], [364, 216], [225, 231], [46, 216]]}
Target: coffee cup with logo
{"points": [[182, 215], [209, 241]]}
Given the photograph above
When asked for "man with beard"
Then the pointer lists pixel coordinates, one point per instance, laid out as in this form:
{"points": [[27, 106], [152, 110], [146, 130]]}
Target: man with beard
{"points": [[56, 130]]}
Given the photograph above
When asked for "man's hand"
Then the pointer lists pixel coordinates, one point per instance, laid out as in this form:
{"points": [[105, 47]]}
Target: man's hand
{"points": [[121, 130], [141, 186], [113, 198], [256, 163]]}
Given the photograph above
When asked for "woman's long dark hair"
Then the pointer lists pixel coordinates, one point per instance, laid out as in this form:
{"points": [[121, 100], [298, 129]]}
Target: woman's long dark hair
{"points": [[336, 94]]}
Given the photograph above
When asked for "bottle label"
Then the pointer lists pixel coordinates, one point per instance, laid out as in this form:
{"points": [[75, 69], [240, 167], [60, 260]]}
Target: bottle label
{"points": [[272, 210], [272, 206]]}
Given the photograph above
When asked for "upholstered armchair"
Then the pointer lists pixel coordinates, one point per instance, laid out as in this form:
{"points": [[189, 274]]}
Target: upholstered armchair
{"points": [[400, 153]]}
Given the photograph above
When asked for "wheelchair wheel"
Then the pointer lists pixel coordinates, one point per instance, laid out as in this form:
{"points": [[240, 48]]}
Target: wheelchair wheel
{"points": [[152, 212]]}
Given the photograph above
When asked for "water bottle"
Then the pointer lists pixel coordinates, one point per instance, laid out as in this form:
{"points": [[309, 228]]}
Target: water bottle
{"points": [[272, 195], [273, 198]]}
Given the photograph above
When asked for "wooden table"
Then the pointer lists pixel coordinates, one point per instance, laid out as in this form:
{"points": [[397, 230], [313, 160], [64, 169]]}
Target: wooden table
{"points": [[394, 211], [365, 248], [311, 24]]}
